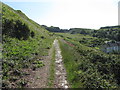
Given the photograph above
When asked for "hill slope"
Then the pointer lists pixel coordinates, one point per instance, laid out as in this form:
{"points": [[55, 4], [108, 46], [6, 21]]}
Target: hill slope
{"points": [[110, 32], [24, 42], [86, 65]]}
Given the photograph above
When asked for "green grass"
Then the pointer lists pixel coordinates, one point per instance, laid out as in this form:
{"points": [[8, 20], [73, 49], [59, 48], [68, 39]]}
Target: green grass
{"points": [[69, 58], [86, 40], [88, 67], [52, 70], [19, 53], [85, 64], [37, 64]]}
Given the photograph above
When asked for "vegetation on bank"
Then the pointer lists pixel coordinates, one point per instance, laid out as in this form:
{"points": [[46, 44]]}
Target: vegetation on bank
{"points": [[51, 77], [88, 67], [109, 33], [86, 40], [24, 42]]}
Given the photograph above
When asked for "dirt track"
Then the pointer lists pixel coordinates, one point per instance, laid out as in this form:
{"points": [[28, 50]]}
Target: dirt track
{"points": [[60, 72], [39, 77]]}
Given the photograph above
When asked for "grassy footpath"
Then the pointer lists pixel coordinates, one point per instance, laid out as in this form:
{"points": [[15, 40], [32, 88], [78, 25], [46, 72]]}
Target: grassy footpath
{"points": [[52, 70], [69, 57]]}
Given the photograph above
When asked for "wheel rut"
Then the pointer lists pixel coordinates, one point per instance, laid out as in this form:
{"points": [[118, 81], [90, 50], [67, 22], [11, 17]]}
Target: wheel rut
{"points": [[60, 72]]}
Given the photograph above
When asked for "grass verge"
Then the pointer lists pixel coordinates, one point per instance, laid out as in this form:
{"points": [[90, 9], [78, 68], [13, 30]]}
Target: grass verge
{"points": [[52, 70], [69, 58]]}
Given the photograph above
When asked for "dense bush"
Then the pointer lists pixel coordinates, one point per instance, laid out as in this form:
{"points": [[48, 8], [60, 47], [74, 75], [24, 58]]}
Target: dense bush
{"points": [[15, 29], [110, 33]]}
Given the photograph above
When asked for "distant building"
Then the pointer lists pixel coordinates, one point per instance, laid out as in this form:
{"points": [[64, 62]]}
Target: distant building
{"points": [[110, 47]]}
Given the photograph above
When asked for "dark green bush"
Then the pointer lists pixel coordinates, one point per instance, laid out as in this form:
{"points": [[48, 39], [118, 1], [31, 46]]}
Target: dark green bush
{"points": [[15, 29]]}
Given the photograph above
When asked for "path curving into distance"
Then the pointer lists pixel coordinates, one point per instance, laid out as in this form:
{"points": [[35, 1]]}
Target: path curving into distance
{"points": [[60, 72]]}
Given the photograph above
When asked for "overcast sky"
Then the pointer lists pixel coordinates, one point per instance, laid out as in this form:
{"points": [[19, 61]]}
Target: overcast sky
{"points": [[69, 13]]}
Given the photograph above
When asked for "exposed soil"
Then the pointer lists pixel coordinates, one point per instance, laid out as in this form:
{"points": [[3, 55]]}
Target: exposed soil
{"points": [[60, 72], [39, 77], [70, 44]]}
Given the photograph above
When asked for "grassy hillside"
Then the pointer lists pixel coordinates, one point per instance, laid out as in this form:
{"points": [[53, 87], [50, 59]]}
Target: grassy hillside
{"points": [[112, 33], [108, 33], [24, 42], [55, 29], [86, 40], [88, 67], [80, 31]]}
